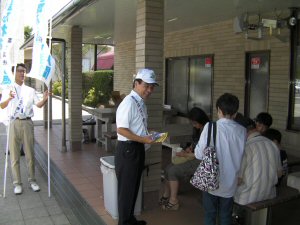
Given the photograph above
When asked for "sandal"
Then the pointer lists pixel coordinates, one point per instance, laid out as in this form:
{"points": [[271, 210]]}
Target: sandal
{"points": [[163, 200], [171, 206]]}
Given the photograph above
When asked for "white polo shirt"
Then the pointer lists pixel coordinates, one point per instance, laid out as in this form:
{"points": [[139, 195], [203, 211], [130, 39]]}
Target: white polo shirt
{"points": [[24, 99], [230, 144], [130, 116]]}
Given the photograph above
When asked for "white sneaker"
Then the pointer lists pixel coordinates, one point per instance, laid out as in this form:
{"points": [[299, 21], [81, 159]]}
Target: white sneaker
{"points": [[18, 190], [35, 187]]}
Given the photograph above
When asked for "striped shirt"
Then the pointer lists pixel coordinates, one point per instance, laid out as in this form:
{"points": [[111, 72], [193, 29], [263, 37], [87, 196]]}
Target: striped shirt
{"points": [[260, 164]]}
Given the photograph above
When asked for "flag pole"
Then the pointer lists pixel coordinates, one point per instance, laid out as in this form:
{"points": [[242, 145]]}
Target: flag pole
{"points": [[49, 181], [48, 146], [6, 149], [6, 158]]}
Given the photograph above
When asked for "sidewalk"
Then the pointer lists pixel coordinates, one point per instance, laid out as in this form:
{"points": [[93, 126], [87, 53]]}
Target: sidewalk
{"points": [[29, 208]]}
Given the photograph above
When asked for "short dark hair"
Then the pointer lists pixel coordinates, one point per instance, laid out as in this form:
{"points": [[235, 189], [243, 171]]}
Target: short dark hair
{"points": [[264, 118], [198, 115], [19, 64], [246, 122], [138, 80], [228, 104], [273, 134]]}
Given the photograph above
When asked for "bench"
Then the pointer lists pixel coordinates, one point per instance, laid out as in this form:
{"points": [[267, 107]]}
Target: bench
{"points": [[260, 212], [89, 136], [107, 139]]}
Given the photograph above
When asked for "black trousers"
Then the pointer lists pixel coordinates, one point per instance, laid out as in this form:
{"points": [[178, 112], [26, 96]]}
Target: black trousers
{"points": [[129, 165]]}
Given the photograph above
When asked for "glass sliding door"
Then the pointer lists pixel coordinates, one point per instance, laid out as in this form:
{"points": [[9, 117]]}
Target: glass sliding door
{"points": [[189, 82], [257, 83], [200, 94], [177, 84], [294, 101]]}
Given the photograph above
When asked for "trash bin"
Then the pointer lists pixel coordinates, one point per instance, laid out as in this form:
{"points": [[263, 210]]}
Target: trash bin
{"points": [[110, 188]]}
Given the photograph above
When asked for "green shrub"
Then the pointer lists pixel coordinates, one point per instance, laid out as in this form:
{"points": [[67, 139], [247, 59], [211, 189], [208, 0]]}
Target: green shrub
{"points": [[97, 87], [91, 99], [57, 88]]}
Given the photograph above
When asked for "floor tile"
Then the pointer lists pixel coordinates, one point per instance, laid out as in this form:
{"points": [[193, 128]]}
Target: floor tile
{"points": [[34, 213], [39, 221], [60, 219]]}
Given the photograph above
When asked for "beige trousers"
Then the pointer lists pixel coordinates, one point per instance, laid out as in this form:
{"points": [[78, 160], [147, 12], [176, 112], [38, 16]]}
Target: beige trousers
{"points": [[21, 132]]}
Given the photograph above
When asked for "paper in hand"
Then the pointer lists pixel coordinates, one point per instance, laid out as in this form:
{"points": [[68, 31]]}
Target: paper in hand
{"points": [[159, 137]]}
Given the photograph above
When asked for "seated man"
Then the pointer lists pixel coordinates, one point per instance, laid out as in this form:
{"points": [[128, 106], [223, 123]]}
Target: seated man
{"points": [[260, 167], [174, 173], [275, 136], [263, 121]]}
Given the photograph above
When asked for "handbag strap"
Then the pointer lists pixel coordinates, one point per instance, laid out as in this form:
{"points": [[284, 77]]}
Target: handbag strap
{"points": [[210, 125], [215, 132]]}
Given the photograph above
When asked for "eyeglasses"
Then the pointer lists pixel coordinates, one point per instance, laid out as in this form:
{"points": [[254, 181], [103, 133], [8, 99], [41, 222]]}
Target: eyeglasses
{"points": [[21, 71], [146, 86]]}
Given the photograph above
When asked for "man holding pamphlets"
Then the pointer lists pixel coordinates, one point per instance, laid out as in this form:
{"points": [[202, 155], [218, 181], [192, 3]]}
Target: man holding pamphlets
{"points": [[133, 139]]}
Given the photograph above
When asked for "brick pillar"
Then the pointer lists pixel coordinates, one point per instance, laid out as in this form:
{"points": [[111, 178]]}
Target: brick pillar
{"points": [[149, 54], [75, 89]]}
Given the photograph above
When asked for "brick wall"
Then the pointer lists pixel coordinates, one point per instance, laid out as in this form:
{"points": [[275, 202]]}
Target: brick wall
{"points": [[124, 66], [75, 88], [229, 50]]}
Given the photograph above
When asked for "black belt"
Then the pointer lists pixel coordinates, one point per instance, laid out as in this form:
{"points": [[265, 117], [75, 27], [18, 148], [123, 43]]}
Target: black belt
{"points": [[27, 118], [131, 142]]}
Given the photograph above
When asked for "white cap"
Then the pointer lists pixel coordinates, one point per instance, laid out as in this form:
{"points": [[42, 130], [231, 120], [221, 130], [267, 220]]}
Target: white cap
{"points": [[146, 75]]}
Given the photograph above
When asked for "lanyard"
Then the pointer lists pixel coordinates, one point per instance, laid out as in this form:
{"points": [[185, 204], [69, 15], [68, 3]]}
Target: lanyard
{"points": [[141, 112], [17, 93], [19, 108]]}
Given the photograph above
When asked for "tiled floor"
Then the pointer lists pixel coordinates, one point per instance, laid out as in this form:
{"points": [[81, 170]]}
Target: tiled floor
{"points": [[82, 168], [29, 208]]}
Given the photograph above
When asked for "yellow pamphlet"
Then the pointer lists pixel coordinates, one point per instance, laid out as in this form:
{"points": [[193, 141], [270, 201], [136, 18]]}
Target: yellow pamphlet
{"points": [[159, 137]]}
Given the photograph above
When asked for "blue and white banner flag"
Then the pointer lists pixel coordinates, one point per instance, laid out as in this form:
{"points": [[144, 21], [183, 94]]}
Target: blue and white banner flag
{"points": [[43, 64], [10, 24]]}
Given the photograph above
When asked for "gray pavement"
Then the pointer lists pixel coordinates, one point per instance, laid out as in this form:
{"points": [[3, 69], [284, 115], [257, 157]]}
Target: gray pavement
{"points": [[29, 208]]}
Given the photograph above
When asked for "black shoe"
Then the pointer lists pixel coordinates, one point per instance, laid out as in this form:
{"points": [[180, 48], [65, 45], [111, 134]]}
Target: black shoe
{"points": [[141, 222], [7, 153]]}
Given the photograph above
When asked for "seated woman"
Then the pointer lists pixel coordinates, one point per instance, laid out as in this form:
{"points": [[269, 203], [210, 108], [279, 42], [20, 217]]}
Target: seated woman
{"points": [[174, 173]]}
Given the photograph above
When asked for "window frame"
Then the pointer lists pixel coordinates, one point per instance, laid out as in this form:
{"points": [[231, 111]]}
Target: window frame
{"points": [[294, 44], [188, 58]]}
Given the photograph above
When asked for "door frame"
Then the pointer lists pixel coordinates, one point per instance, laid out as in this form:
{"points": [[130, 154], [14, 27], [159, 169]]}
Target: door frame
{"points": [[248, 83], [188, 73]]}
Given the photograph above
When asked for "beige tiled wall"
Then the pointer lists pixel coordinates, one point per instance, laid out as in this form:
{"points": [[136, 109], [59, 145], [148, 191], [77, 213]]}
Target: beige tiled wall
{"points": [[75, 89], [229, 50], [124, 66]]}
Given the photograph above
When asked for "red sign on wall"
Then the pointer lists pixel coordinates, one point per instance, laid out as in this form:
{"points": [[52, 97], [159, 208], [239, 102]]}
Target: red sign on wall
{"points": [[255, 62], [208, 62]]}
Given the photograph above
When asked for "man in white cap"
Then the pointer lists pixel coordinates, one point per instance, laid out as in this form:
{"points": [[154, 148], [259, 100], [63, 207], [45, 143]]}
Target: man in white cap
{"points": [[131, 120]]}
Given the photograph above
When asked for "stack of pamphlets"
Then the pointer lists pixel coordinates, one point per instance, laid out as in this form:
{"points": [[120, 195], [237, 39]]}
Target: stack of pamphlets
{"points": [[159, 137]]}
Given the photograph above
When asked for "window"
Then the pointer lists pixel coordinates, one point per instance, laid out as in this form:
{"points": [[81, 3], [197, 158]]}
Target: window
{"points": [[294, 106], [189, 81]]}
